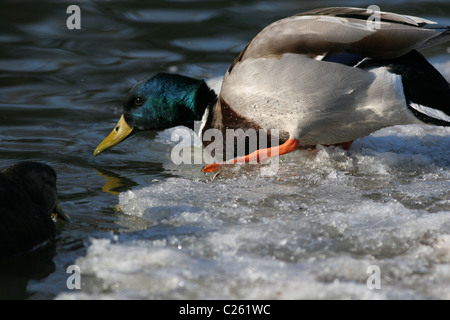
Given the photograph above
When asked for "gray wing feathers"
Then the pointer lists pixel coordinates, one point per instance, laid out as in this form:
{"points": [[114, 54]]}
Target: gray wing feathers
{"points": [[323, 31], [365, 14]]}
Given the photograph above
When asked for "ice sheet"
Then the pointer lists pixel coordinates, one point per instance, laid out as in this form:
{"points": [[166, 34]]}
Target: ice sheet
{"points": [[310, 232]]}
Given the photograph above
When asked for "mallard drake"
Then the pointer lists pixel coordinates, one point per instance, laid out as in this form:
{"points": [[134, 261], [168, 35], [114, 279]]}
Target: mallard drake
{"points": [[322, 77], [28, 198]]}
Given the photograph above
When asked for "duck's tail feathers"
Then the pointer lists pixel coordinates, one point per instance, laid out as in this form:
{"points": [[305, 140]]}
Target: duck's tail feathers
{"points": [[426, 91]]}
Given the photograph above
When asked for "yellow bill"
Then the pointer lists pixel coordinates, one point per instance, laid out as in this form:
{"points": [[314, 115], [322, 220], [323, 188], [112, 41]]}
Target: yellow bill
{"points": [[119, 133]]}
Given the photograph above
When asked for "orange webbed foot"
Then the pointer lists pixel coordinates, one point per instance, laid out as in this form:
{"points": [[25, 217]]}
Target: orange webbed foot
{"points": [[258, 155]]}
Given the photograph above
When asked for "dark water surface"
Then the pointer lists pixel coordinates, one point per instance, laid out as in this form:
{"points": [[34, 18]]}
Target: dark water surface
{"points": [[61, 93]]}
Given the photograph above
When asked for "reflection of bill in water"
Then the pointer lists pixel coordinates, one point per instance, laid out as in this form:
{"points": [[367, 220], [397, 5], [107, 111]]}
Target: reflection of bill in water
{"points": [[114, 183]]}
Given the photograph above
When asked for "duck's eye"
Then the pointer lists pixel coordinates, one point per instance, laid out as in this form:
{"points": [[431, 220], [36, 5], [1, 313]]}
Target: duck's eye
{"points": [[138, 101]]}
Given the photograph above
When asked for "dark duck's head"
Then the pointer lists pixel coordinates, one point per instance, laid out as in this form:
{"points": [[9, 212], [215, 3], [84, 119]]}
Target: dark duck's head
{"points": [[28, 199], [160, 102]]}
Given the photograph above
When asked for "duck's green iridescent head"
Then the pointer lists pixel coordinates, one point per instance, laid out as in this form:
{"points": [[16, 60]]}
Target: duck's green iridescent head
{"points": [[160, 102]]}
